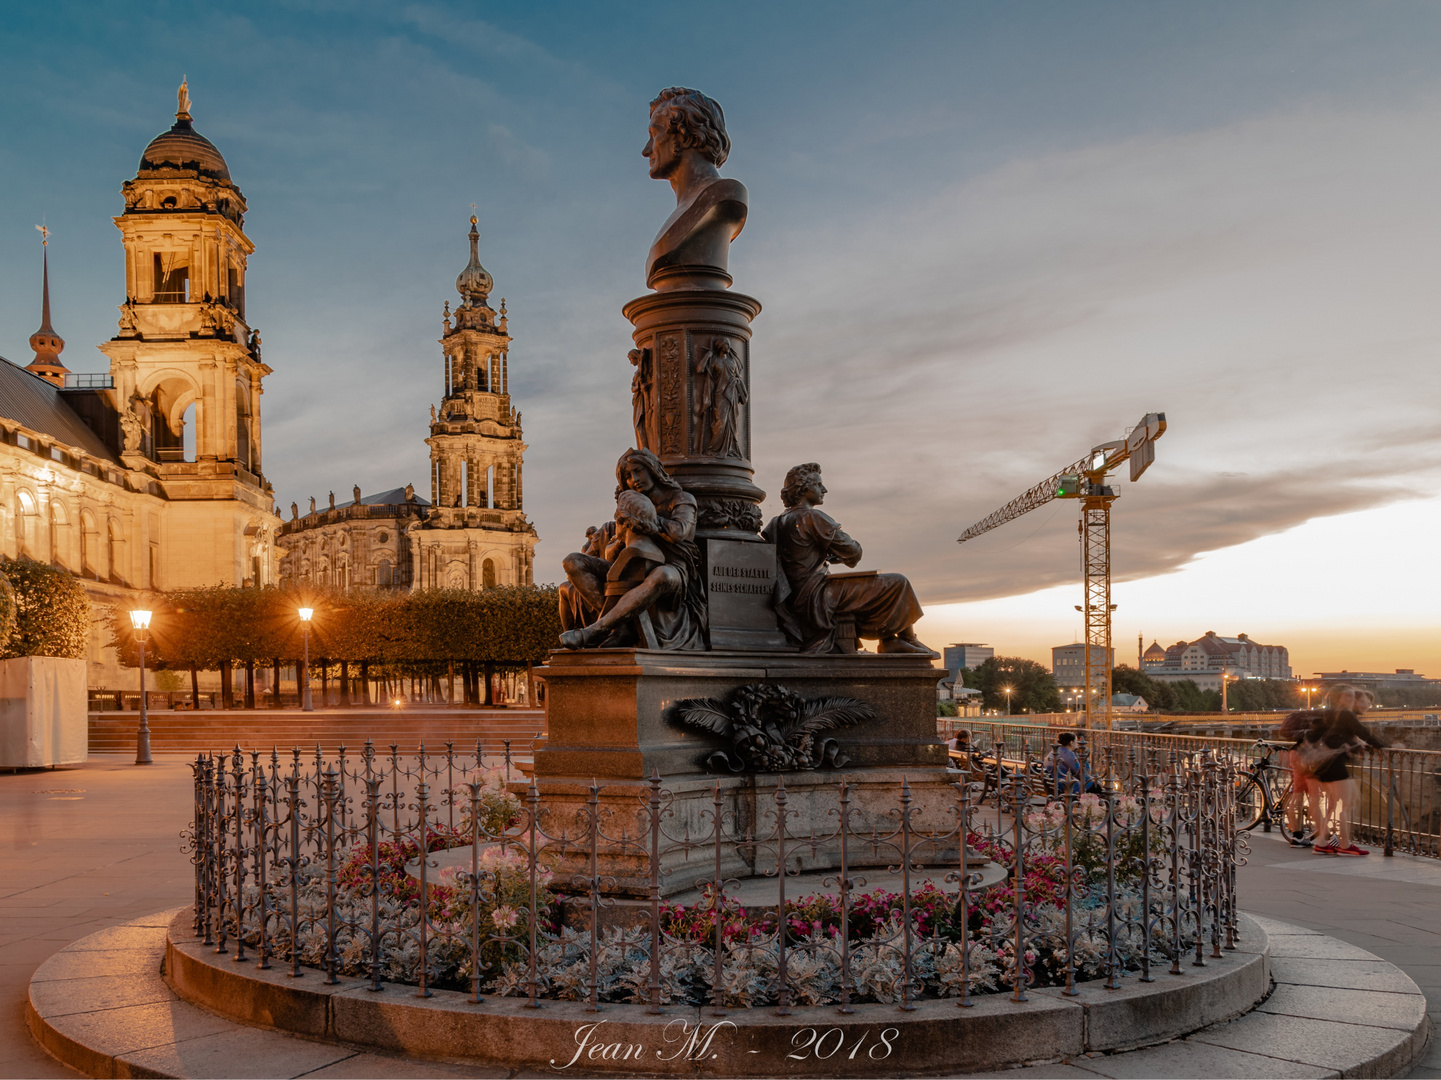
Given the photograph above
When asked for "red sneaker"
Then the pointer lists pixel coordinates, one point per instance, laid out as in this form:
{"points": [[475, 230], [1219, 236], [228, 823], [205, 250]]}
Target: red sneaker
{"points": [[1351, 850], [1330, 847]]}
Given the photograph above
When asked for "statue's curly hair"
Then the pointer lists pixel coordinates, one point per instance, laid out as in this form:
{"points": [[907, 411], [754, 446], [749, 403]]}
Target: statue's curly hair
{"points": [[635, 509], [798, 480], [697, 119]]}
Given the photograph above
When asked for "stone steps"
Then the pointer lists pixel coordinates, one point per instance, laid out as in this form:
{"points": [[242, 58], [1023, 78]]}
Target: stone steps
{"points": [[103, 1006]]}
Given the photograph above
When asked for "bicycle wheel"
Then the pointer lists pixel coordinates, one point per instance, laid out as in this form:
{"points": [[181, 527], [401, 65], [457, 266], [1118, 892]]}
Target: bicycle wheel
{"points": [[1250, 803]]}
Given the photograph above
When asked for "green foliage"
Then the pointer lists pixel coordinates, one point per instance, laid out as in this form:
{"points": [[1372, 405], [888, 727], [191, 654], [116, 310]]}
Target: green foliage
{"points": [[410, 632], [52, 612], [1033, 688], [1409, 697], [8, 609], [1259, 695], [1127, 680], [1191, 698], [946, 708]]}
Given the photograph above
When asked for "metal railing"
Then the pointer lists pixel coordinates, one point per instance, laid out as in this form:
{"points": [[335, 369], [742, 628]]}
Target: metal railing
{"points": [[331, 862], [76, 380], [1399, 790]]}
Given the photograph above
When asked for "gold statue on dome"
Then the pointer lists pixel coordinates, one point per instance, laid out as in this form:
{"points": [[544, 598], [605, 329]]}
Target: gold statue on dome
{"points": [[182, 99]]}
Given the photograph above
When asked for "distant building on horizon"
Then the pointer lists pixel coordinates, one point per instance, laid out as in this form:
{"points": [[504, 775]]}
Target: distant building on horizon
{"points": [[1068, 663], [1211, 656], [1401, 679], [965, 654]]}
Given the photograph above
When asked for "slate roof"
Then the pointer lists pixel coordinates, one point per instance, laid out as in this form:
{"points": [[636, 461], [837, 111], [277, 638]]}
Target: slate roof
{"points": [[393, 497], [38, 405]]}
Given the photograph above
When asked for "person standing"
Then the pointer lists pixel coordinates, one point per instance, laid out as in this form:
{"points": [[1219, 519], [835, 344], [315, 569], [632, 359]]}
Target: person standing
{"points": [[1331, 751]]}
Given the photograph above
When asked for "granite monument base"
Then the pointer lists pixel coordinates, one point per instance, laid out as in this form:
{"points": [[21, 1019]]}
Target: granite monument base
{"points": [[611, 723], [748, 809], [609, 711]]}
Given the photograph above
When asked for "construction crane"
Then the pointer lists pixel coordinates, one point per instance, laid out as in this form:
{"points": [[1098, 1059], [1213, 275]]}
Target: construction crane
{"points": [[1086, 480]]}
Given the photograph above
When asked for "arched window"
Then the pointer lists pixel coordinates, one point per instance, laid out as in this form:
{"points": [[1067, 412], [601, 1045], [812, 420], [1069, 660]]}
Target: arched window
{"points": [[27, 523], [187, 433], [59, 534], [243, 443], [487, 574], [383, 573], [117, 551], [90, 546]]}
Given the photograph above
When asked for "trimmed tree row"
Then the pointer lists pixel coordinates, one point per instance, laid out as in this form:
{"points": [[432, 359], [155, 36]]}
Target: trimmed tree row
{"points": [[373, 635]]}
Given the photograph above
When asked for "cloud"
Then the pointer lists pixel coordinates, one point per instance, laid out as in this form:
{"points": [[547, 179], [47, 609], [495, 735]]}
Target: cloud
{"points": [[1262, 283]]}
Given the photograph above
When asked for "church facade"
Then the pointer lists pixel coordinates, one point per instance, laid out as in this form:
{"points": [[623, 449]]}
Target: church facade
{"points": [[148, 476], [472, 533]]}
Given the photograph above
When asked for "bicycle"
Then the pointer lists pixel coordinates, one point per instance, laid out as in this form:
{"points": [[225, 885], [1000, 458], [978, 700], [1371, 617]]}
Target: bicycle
{"points": [[1263, 790]]}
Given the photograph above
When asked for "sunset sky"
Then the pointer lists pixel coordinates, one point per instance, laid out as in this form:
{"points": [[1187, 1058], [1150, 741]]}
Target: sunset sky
{"points": [[985, 235]]}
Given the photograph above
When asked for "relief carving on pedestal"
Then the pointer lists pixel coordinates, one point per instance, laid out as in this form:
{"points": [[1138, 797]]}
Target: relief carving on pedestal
{"points": [[730, 514], [671, 379], [721, 395], [772, 729]]}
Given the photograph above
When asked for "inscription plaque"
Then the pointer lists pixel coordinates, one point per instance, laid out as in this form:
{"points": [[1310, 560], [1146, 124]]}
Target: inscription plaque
{"points": [[740, 589]]}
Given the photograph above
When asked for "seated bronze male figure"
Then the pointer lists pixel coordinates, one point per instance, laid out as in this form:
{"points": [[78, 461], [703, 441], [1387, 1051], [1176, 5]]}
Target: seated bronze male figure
{"points": [[883, 606]]}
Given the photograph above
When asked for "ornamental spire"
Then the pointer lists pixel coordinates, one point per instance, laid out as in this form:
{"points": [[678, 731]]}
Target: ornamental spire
{"points": [[474, 282], [45, 342]]}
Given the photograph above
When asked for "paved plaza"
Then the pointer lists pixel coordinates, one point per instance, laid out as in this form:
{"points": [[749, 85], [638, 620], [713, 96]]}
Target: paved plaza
{"points": [[86, 848]]}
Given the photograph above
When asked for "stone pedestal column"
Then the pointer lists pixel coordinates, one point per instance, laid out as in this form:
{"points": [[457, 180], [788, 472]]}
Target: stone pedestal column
{"points": [[698, 403]]}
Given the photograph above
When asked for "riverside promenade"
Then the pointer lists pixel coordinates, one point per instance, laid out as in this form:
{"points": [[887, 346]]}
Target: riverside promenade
{"points": [[87, 848]]}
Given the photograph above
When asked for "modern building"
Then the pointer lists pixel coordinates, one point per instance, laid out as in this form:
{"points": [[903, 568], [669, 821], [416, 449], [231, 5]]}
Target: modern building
{"points": [[1209, 657], [148, 475], [1400, 679], [472, 533], [963, 654], [1068, 663]]}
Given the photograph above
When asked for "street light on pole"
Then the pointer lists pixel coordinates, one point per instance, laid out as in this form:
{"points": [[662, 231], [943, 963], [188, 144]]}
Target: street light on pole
{"points": [[1007, 691], [305, 614], [140, 621]]}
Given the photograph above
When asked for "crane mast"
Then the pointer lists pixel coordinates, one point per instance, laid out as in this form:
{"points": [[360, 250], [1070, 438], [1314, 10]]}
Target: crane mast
{"points": [[1085, 480]]}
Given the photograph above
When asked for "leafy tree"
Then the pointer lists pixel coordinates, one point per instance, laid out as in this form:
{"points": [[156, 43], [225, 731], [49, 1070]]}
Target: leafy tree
{"points": [[1258, 695], [1127, 680], [1033, 688], [1191, 698], [52, 612]]}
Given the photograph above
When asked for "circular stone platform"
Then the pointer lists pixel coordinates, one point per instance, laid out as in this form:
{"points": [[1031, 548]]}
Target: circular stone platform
{"points": [[1308, 1006]]}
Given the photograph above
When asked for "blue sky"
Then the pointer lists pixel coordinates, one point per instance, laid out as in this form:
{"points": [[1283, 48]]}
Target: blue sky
{"points": [[985, 235]]}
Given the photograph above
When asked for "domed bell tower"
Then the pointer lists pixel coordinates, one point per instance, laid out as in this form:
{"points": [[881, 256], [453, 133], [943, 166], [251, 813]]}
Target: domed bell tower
{"points": [[476, 450], [186, 363]]}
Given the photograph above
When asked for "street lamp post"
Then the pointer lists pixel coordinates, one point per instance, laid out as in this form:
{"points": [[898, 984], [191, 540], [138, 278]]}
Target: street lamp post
{"points": [[1007, 691], [140, 620], [1308, 691], [305, 614], [1224, 680]]}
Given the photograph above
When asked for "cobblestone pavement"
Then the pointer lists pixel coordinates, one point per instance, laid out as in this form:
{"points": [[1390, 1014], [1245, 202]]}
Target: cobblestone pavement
{"points": [[86, 848]]}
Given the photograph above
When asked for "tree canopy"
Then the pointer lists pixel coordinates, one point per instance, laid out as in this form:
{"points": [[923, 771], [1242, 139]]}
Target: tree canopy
{"points": [[51, 611], [1032, 686], [513, 625]]}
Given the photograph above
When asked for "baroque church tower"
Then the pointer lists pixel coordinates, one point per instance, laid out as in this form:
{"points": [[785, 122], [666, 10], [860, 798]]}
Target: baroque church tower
{"points": [[185, 357], [476, 535]]}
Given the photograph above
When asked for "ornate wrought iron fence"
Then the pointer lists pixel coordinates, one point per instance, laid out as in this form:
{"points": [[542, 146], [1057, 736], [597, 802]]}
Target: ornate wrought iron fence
{"points": [[330, 864], [1399, 791]]}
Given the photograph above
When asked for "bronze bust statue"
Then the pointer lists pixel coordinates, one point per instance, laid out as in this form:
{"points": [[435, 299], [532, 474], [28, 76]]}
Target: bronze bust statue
{"points": [[687, 144], [884, 606], [638, 581]]}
